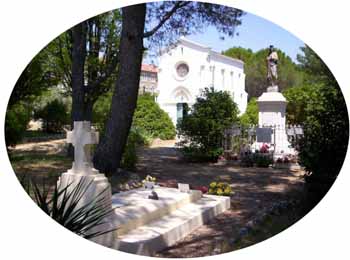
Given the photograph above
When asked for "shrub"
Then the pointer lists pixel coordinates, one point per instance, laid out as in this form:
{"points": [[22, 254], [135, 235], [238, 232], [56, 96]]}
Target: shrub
{"points": [[256, 159], [221, 189], [247, 160], [202, 129], [17, 119], [101, 111], [263, 160], [129, 158], [54, 115], [151, 119], [195, 154]]}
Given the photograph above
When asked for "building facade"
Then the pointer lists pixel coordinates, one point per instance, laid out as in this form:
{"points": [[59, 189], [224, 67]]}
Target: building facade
{"points": [[148, 79], [188, 67]]}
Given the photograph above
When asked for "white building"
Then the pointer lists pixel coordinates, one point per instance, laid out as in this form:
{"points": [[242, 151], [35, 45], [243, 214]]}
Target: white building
{"points": [[189, 67]]}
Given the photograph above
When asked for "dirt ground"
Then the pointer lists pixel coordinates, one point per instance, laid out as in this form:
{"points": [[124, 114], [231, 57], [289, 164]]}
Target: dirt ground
{"points": [[254, 188], [41, 161]]}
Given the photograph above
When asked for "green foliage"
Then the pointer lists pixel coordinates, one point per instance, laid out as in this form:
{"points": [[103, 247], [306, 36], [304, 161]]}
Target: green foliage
{"points": [[197, 154], [17, 119], [255, 69], [198, 15], [152, 119], [251, 115], [129, 158], [54, 116], [298, 98], [240, 53], [62, 205], [101, 111], [102, 38], [326, 125], [256, 159], [35, 79], [262, 160], [202, 129]]}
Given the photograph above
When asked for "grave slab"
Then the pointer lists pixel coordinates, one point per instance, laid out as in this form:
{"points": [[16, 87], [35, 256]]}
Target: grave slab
{"points": [[148, 226]]}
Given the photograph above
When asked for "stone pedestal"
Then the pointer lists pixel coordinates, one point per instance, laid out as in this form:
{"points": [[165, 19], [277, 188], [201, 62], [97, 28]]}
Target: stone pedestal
{"points": [[96, 186], [272, 122]]}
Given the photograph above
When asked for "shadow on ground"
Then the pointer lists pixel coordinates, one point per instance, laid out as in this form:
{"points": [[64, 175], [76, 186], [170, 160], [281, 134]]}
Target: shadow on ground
{"points": [[254, 190]]}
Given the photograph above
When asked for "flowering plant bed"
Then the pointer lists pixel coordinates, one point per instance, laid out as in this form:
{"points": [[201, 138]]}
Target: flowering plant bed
{"points": [[220, 188]]}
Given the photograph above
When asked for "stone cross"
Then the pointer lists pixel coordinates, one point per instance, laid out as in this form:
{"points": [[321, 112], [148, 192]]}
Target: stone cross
{"points": [[81, 138]]}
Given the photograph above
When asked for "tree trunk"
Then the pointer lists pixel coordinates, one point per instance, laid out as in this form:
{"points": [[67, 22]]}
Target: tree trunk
{"points": [[78, 61], [109, 151]]}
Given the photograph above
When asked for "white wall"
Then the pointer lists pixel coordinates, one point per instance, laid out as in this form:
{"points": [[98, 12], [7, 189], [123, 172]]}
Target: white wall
{"points": [[228, 76]]}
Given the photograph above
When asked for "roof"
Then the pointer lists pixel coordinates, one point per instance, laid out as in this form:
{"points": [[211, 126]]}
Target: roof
{"points": [[149, 68], [214, 53]]}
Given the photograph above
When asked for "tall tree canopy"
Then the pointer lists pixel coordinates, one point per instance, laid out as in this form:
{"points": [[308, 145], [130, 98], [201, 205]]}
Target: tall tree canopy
{"points": [[256, 70], [326, 125], [251, 114], [35, 78], [165, 22], [84, 60], [95, 45]]}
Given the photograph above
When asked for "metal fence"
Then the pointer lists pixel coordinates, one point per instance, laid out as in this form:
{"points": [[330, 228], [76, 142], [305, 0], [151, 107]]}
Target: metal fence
{"points": [[239, 137]]}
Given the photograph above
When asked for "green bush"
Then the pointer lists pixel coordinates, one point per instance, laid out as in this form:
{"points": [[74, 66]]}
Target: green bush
{"points": [[17, 119], [195, 154], [326, 125], [256, 159], [54, 115], [129, 158], [151, 119], [101, 111], [263, 160], [202, 129], [251, 115]]}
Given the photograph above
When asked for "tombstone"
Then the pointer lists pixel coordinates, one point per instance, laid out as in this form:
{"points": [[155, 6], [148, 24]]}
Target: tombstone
{"points": [[82, 137], [184, 187], [264, 134]]}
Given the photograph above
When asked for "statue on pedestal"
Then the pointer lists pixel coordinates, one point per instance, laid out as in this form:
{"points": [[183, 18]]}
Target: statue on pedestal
{"points": [[272, 76]]}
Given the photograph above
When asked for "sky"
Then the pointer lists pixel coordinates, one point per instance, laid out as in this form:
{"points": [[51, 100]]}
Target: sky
{"points": [[255, 33]]}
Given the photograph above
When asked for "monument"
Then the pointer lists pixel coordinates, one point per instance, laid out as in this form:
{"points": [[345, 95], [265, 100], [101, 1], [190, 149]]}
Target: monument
{"points": [[82, 137], [272, 113], [144, 220]]}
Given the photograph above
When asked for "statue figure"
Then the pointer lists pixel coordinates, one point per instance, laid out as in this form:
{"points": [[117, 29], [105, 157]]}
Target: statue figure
{"points": [[272, 60]]}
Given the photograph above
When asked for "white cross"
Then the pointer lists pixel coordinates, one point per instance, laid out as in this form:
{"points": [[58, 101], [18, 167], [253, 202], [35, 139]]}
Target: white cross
{"points": [[81, 138]]}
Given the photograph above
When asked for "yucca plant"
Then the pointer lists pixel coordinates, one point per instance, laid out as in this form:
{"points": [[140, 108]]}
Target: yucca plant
{"points": [[63, 206]]}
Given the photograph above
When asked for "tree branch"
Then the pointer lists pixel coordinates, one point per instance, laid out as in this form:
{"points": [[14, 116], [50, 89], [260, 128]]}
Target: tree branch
{"points": [[109, 70], [178, 5]]}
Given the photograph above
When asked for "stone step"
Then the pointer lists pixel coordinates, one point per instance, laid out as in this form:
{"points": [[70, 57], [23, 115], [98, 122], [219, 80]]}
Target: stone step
{"points": [[167, 230], [134, 209]]}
